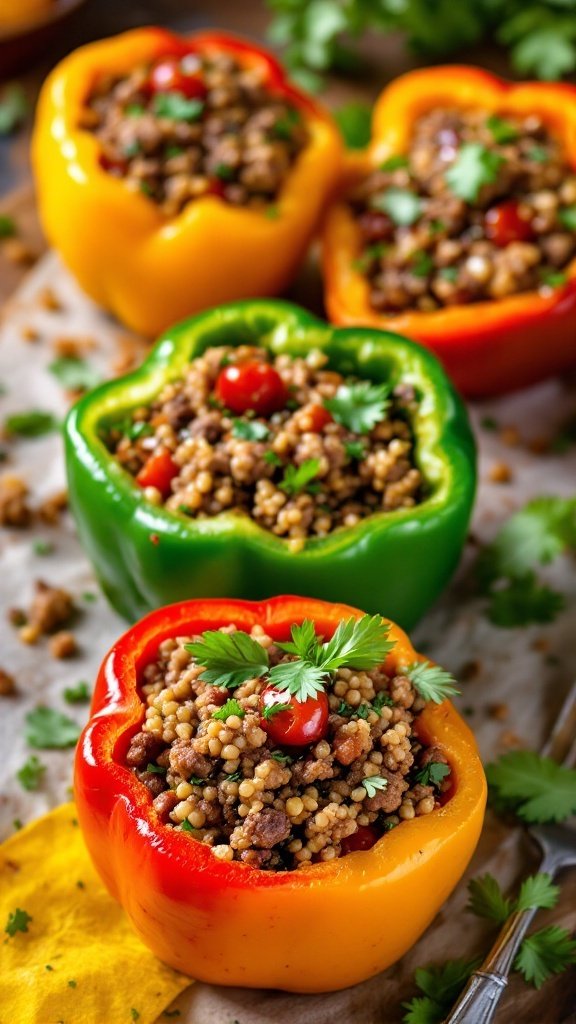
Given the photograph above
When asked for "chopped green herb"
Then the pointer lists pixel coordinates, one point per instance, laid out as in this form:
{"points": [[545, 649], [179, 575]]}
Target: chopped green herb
{"points": [[449, 274], [146, 188], [134, 110], [552, 278], [431, 682], [403, 207], [441, 985], [229, 659], [536, 788], [436, 226], [270, 710], [345, 709], [132, 149], [7, 226], [72, 983], [382, 700], [362, 711], [548, 951], [394, 163], [42, 547], [422, 264], [281, 758], [186, 826], [13, 108], [368, 256], [539, 154], [31, 773], [195, 780], [18, 921], [156, 769], [272, 458], [47, 729], [172, 151], [567, 217], [537, 534], [359, 407], [354, 121], [250, 430], [74, 374], [31, 424], [432, 774], [474, 167], [176, 107], [299, 478], [487, 900], [89, 597], [231, 707], [522, 601], [355, 450], [374, 784], [502, 131], [224, 172], [235, 776], [78, 694], [283, 127]]}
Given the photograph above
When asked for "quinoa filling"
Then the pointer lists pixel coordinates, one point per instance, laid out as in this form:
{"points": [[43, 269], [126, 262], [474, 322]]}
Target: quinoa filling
{"points": [[295, 445], [254, 750], [481, 207], [182, 128]]}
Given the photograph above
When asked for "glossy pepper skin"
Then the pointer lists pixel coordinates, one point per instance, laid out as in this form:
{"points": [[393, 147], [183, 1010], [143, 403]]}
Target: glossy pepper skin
{"points": [[147, 269], [231, 924], [395, 563], [488, 347]]}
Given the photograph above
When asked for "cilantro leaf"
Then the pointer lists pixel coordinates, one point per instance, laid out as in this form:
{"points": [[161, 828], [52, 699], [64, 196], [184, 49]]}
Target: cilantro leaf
{"points": [[229, 659], [74, 374], [18, 921], [538, 788], [272, 458], [231, 707], [304, 643], [553, 278], [31, 424], [567, 217], [474, 166], [369, 255], [270, 710], [176, 107], [354, 121], [48, 729], [299, 478], [78, 694], [359, 407], [282, 758], [487, 899], [394, 163], [548, 951], [299, 678], [431, 682], [422, 264], [402, 206], [538, 891], [537, 534], [250, 430], [31, 773], [7, 226], [523, 601], [548, 49], [441, 985], [432, 774], [156, 769], [355, 450], [374, 784], [502, 131], [357, 643], [13, 108], [382, 700]]}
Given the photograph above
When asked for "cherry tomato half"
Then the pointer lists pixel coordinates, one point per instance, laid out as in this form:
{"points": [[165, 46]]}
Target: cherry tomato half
{"points": [[503, 224], [158, 472], [169, 75], [251, 386], [363, 839], [303, 722], [319, 417]]}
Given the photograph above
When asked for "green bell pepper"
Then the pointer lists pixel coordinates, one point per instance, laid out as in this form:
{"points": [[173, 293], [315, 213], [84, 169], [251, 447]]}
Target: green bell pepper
{"points": [[395, 563]]}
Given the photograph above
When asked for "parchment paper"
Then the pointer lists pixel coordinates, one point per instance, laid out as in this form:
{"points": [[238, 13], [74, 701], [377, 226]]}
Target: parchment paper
{"points": [[529, 670]]}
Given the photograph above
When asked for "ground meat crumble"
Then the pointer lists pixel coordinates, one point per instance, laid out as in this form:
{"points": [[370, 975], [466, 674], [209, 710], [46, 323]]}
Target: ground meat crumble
{"points": [[217, 470], [517, 234], [232, 787], [178, 130]]}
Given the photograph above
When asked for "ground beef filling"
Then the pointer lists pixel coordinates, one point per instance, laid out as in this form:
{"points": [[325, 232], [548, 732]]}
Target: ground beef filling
{"points": [[424, 246], [182, 129], [216, 467], [230, 786]]}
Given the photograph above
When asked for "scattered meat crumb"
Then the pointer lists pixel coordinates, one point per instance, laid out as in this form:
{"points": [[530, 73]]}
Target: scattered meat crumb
{"points": [[63, 645], [16, 251], [510, 739], [7, 684], [469, 670], [500, 473], [49, 300], [130, 353], [14, 507], [52, 507], [51, 607], [510, 436], [498, 711], [73, 347], [30, 333]]}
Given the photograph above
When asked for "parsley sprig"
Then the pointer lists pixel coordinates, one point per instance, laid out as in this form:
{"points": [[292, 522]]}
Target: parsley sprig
{"points": [[229, 659], [359, 407], [430, 681], [536, 788]]}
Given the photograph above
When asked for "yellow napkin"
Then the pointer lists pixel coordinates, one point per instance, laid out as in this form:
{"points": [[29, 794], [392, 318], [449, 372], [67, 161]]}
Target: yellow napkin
{"points": [[79, 962]]}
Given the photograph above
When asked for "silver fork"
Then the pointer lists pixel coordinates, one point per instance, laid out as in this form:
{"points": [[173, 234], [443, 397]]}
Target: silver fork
{"points": [[479, 1000]]}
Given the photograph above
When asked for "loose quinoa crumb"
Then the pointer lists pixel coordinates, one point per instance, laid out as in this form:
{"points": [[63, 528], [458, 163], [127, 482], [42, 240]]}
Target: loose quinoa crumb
{"points": [[63, 644], [254, 802], [7, 684], [14, 507], [500, 473]]}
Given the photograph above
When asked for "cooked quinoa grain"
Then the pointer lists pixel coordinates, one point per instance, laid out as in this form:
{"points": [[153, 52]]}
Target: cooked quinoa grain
{"points": [[225, 778], [481, 207], [184, 128], [298, 472]]}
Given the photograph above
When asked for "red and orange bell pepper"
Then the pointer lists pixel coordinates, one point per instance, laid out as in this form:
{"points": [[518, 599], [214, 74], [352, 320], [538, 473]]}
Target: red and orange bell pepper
{"points": [[317, 929], [149, 270], [486, 347]]}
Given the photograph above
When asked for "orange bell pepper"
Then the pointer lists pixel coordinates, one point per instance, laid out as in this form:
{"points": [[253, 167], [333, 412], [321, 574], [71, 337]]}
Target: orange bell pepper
{"points": [[487, 347], [317, 929], [149, 270]]}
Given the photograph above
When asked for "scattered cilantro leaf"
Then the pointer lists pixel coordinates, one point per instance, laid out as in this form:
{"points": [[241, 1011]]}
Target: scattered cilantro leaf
{"points": [[432, 774], [355, 450], [134, 110], [186, 826], [31, 773], [535, 787], [374, 784], [281, 757], [7, 226], [345, 709], [270, 710], [368, 256], [134, 1014], [402, 206], [18, 921], [155, 769], [224, 172], [487, 900], [42, 547], [176, 107], [548, 951], [359, 407], [31, 424], [354, 121], [382, 700], [13, 108], [357, 643], [231, 707], [523, 601], [229, 659], [536, 535], [422, 264], [299, 678], [362, 711], [449, 274], [74, 374], [474, 166], [567, 217], [250, 430], [538, 891], [553, 278], [300, 478], [47, 729], [394, 163], [441, 985], [431, 682], [72, 983], [272, 458], [539, 154], [78, 694], [501, 130]]}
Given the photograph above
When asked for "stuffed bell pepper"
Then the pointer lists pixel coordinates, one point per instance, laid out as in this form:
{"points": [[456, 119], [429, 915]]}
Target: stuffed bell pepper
{"points": [[175, 174], [280, 794], [259, 451], [457, 226]]}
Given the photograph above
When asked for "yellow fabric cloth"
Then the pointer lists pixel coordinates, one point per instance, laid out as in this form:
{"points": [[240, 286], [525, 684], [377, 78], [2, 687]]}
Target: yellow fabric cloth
{"points": [[80, 961]]}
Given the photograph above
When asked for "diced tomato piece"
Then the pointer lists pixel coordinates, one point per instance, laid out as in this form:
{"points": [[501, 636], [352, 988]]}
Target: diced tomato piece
{"points": [[503, 224], [158, 472], [170, 75], [302, 723], [319, 417], [363, 839], [215, 188], [113, 166], [251, 386]]}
